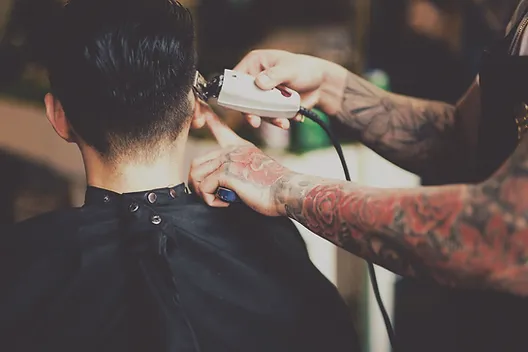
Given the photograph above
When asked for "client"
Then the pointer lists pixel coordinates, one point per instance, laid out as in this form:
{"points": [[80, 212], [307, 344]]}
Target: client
{"points": [[144, 265]]}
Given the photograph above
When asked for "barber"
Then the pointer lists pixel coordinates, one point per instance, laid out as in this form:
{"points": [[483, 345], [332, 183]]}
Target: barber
{"points": [[470, 234]]}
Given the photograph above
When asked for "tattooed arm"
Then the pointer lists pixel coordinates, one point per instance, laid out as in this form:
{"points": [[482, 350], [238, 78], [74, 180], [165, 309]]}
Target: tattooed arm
{"points": [[424, 137], [462, 235]]}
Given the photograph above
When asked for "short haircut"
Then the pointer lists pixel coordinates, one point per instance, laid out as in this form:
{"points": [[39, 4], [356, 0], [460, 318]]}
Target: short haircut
{"points": [[123, 71]]}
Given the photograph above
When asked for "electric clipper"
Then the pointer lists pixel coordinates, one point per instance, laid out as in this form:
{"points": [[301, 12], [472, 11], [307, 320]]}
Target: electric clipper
{"points": [[238, 91]]}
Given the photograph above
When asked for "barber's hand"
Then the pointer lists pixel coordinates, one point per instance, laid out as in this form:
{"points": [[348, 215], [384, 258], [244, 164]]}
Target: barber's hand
{"points": [[319, 82], [240, 167]]}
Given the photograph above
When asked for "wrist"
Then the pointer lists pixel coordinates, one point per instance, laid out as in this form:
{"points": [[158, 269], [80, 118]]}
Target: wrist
{"points": [[289, 193], [280, 193], [333, 87]]}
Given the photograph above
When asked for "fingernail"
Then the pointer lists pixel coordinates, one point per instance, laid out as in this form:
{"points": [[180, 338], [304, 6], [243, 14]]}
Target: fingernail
{"points": [[254, 121], [299, 118], [264, 81]]}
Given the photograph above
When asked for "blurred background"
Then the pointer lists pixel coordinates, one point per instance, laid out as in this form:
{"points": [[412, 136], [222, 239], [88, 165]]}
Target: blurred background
{"points": [[424, 48]]}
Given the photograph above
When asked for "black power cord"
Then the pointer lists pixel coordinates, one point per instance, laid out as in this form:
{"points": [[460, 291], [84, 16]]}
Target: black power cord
{"points": [[372, 273]]}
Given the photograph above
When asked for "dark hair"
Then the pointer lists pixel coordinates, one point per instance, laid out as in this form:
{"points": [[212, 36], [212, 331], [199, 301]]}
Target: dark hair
{"points": [[122, 70]]}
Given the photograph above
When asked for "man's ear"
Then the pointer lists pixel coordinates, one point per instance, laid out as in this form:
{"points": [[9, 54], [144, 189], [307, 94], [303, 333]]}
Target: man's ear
{"points": [[57, 118], [201, 110]]}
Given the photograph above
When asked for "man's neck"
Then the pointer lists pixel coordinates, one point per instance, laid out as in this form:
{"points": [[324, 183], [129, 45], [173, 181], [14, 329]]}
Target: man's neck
{"points": [[132, 176]]}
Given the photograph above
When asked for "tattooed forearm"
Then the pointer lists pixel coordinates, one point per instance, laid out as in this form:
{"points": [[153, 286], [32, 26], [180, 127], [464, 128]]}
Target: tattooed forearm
{"points": [[248, 163], [417, 135], [472, 236]]}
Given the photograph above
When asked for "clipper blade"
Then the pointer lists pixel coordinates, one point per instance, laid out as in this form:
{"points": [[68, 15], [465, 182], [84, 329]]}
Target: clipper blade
{"points": [[200, 87]]}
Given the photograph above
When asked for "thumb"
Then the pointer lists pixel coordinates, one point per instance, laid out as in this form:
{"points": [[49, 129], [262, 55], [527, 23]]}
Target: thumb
{"points": [[273, 77]]}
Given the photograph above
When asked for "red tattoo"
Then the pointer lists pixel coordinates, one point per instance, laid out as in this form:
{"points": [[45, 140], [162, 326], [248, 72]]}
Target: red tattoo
{"points": [[320, 211], [466, 235], [473, 236], [249, 163]]}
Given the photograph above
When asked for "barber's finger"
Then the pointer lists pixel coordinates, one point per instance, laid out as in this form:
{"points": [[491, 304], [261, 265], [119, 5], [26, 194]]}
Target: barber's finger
{"points": [[299, 118], [214, 202], [309, 100], [255, 62], [198, 174], [273, 77], [254, 121], [217, 203], [281, 123], [216, 179], [222, 133], [249, 65], [210, 185], [194, 187], [202, 166]]}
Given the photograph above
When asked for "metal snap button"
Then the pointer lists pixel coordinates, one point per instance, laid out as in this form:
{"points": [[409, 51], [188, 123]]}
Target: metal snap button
{"points": [[133, 207], [187, 190], [155, 219], [152, 197], [106, 198], [173, 193]]}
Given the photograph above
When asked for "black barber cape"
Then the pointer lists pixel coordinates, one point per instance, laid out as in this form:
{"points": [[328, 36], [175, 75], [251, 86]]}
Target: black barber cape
{"points": [[161, 271]]}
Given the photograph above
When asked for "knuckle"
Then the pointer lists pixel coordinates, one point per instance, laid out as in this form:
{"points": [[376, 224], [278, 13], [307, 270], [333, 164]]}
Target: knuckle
{"points": [[193, 176], [254, 53], [230, 151], [271, 72], [213, 164], [224, 168], [194, 164]]}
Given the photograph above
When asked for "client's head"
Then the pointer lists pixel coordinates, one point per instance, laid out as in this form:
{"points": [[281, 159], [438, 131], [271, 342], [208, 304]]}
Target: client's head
{"points": [[121, 74]]}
